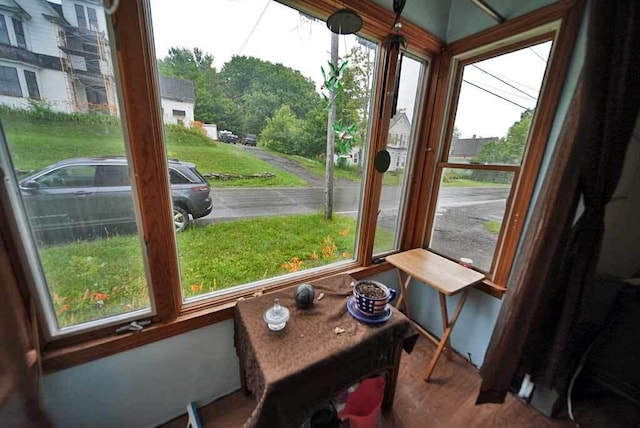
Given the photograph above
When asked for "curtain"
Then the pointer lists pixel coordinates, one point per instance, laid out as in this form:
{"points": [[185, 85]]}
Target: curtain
{"points": [[543, 326]]}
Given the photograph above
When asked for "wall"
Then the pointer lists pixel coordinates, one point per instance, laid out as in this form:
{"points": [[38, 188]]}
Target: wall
{"points": [[431, 15], [471, 335], [465, 18], [169, 105], [147, 385], [40, 33]]}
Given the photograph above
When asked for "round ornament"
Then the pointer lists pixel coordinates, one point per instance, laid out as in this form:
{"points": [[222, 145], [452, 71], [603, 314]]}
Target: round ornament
{"points": [[304, 294]]}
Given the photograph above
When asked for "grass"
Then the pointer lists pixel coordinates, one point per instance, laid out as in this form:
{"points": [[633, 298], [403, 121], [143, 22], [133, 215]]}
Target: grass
{"points": [[493, 226], [94, 279], [36, 143]]}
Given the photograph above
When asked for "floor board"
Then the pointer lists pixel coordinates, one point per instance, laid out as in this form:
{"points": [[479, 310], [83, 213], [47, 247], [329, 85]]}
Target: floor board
{"points": [[447, 401]]}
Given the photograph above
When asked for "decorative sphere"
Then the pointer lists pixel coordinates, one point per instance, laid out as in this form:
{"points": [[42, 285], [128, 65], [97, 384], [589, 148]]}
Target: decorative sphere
{"points": [[304, 295]]}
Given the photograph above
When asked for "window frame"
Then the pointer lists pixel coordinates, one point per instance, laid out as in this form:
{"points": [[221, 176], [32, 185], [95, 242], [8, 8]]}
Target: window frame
{"points": [[17, 23], [80, 13], [33, 92], [4, 29], [139, 92], [18, 93]]}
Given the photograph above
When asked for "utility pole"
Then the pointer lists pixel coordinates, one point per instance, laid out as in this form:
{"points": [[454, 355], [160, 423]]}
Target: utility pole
{"points": [[328, 190]]}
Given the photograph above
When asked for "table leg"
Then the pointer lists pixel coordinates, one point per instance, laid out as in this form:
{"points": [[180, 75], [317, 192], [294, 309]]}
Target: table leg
{"points": [[392, 377], [445, 335], [445, 323], [403, 299]]}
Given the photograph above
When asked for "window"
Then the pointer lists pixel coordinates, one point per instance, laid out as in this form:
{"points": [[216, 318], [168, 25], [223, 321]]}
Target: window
{"points": [[9, 82], [18, 29], [96, 96], [176, 178], [395, 182], [92, 61], [82, 21], [32, 84], [93, 19], [4, 33], [479, 173], [78, 213], [267, 223]]}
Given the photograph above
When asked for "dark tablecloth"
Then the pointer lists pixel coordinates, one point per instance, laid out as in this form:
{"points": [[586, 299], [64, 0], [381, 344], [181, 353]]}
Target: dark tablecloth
{"points": [[292, 371]]}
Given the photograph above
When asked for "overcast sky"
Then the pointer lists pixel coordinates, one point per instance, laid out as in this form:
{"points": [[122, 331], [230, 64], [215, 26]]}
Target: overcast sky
{"points": [[276, 33]]}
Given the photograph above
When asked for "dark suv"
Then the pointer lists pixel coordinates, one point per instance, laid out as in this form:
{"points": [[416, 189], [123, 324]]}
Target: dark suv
{"points": [[95, 193]]}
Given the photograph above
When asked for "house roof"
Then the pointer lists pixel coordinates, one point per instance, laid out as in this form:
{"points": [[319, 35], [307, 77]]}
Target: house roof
{"points": [[173, 88], [468, 147]]}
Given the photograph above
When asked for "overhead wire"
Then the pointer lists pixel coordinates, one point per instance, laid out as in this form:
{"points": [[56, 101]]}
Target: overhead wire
{"points": [[538, 55], [497, 95], [254, 27], [505, 82]]}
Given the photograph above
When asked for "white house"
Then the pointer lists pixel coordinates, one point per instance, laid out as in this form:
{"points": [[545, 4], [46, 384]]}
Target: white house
{"points": [[178, 97], [398, 142], [56, 53]]}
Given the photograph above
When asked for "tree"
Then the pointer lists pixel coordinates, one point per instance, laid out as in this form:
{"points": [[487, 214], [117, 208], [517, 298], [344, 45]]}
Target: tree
{"points": [[508, 150], [283, 131]]}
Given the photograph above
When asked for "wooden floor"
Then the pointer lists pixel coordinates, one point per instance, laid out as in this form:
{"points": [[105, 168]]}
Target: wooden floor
{"points": [[447, 401]]}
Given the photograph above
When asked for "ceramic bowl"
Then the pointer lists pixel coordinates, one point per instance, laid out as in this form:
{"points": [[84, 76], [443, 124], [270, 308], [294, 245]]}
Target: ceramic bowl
{"points": [[369, 305]]}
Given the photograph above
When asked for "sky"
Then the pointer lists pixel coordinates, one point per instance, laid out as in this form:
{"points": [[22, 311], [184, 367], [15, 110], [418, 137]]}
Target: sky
{"points": [[274, 32]]}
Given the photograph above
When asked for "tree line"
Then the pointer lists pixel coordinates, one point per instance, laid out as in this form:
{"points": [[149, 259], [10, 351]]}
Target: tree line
{"points": [[280, 105]]}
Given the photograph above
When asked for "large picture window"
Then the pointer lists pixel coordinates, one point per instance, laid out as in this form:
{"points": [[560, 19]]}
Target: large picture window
{"points": [[263, 89]]}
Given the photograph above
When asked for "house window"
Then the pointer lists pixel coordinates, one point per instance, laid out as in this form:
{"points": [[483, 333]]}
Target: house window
{"points": [[32, 84], [4, 33], [18, 29], [96, 95], [93, 19], [92, 61], [497, 96], [395, 187], [268, 235], [82, 21], [9, 82]]}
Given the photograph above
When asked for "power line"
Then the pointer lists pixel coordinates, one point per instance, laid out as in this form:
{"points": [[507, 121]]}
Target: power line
{"points": [[538, 55], [505, 82], [254, 27], [496, 95]]}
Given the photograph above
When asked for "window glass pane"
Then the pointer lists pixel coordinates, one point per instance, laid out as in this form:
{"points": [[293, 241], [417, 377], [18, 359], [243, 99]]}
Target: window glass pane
{"points": [[82, 21], [253, 70], [19, 30], [73, 180], [9, 83], [4, 34], [469, 213], [496, 94], [176, 178], [32, 84], [401, 131], [93, 19]]}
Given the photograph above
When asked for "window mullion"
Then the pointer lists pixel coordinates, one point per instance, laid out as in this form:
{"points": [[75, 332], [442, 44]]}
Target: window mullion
{"points": [[143, 119]]}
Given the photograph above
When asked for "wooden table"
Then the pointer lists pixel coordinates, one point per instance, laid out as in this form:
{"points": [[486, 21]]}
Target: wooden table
{"points": [[306, 363], [447, 278]]}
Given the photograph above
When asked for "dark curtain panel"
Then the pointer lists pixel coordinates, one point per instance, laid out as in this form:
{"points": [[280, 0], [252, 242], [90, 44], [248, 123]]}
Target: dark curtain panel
{"points": [[543, 327]]}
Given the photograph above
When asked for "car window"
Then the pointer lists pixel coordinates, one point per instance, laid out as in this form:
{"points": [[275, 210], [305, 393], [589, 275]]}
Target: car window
{"points": [[69, 176], [176, 178], [112, 175]]}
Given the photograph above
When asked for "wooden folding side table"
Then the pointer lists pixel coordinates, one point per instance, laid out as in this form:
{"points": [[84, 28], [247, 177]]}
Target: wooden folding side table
{"points": [[446, 277]]}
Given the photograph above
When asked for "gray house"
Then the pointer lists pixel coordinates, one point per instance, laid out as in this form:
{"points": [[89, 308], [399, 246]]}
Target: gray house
{"points": [[178, 97], [463, 149]]}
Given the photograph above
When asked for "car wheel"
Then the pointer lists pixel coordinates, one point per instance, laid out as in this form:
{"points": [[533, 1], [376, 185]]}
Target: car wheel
{"points": [[180, 219]]}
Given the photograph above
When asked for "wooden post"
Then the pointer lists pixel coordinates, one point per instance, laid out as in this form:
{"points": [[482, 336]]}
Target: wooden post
{"points": [[328, 189]]}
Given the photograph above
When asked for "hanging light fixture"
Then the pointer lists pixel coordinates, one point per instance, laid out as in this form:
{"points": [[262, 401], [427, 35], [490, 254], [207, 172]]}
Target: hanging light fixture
{"points": [[344, 21]]}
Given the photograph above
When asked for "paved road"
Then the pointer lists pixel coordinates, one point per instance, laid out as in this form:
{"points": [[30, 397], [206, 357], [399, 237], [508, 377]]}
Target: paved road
{"points": [[233, 203]]}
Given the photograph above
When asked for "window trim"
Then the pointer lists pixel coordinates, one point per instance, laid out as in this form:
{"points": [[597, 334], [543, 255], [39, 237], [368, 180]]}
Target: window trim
{"points": [[561, 23], [140, 97], [15, 95]]}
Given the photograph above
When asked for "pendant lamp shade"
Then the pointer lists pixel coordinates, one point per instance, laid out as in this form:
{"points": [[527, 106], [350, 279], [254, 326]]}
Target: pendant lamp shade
{"points": [[344, 21]]}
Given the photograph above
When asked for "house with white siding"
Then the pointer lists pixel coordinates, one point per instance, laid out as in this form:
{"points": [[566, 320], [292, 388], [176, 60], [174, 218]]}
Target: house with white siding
{"points": [[398, 141], [56, 53], [177, 97]]}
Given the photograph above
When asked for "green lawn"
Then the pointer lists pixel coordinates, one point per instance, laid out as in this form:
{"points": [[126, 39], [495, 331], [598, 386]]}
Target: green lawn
{"points": [[37, 143], [93, 279]]}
